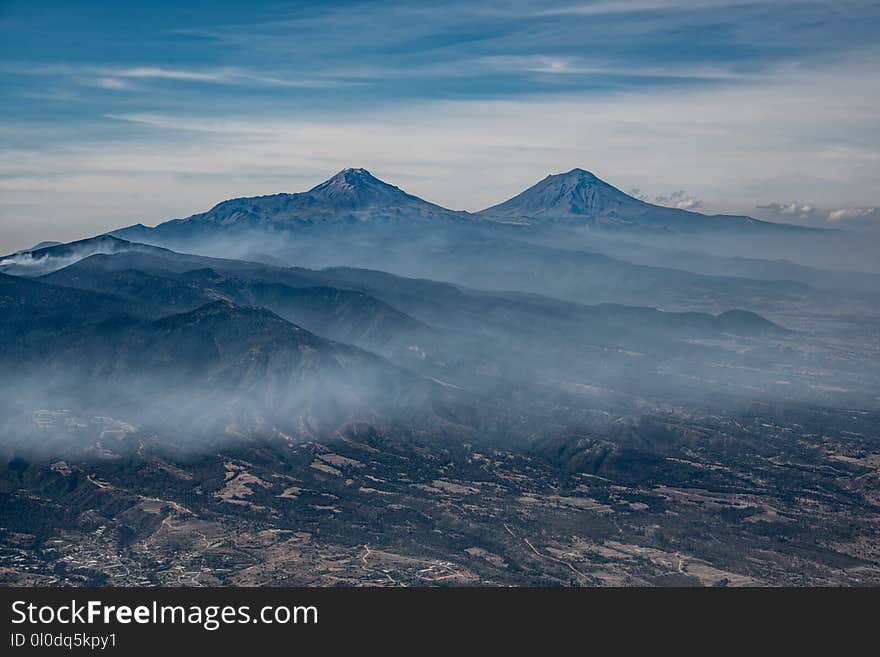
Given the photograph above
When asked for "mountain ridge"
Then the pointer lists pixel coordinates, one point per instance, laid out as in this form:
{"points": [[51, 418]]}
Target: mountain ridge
{"points": [[245, 361], [579, 196], [350, 197], [353, 196]]}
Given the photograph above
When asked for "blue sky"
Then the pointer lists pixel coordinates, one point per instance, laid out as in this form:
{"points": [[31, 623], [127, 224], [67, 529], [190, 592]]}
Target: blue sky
{"points": [[114, 113]]}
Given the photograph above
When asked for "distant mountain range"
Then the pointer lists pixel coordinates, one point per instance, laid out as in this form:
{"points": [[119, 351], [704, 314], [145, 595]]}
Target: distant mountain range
{"points": [[355, 196], [352, 196], [202, 368]]}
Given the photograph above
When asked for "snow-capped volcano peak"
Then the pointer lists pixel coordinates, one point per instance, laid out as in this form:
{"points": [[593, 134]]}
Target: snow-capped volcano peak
{"points": [[576, 193], [580, 197], [577, 172], [353, 177], [355, 187]]}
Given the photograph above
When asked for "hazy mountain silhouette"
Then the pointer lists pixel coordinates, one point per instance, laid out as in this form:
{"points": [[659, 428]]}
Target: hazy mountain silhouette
{"points": [[352, 196], [579, 196]]}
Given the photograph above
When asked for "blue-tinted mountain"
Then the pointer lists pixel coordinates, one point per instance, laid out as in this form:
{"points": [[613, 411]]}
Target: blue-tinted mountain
{"points": [[215, 364], [352, 196], [341, 314], [29, 308], [580, 197], [44, 259]]}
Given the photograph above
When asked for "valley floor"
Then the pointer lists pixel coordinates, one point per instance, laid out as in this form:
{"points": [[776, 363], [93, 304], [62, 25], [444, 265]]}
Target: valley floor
{"points": [[765, 497]]}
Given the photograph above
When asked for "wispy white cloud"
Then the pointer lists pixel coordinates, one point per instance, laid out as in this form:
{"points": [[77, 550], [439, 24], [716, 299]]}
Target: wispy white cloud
{"points": [[572, 66], [224, 75], [792, 209], [681, 200], [110, 83], [599, 7], [847, 214], [119, 77], [198, 124], [849, 218]]}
